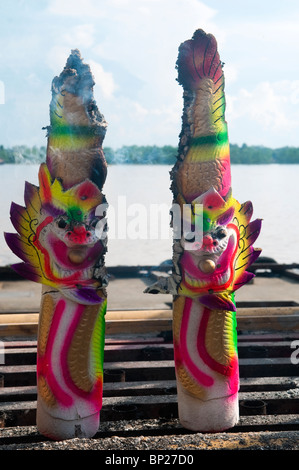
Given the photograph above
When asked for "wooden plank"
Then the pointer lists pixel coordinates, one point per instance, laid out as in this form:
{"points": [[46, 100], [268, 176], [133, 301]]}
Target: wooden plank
{"points": [[267, 367], [266, 336], [152, 351], [114, 327], [146, 403], [286, 323], [258, 384], [264, 349], [159, 370], [10, 318], [268, 311], [157, 321], [19, 356], [18, 393], [28, 330], [274, 267], [243, 338], [19, 375], [128, 352], [152, 326], [31, 343], [264, 309]]}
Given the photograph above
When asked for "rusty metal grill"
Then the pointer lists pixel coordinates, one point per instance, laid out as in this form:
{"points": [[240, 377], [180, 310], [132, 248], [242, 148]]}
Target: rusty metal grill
{"points": [[140, 402]]}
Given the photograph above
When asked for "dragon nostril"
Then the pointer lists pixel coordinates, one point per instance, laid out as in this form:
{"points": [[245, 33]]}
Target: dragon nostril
{"points": [[79, 229], [79, 234]]}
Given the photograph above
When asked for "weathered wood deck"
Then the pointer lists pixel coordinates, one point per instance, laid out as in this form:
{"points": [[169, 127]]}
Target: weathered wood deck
{"points": [[139, 400]]}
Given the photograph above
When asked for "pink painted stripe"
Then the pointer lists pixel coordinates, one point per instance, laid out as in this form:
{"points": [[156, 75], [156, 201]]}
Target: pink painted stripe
{"points": [[44, 364], [93, 395], [63, 357], [200, 376]]}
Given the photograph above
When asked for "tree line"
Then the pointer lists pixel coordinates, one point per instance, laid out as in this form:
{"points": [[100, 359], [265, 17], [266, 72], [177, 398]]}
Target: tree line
{"points": [[158, 155]]}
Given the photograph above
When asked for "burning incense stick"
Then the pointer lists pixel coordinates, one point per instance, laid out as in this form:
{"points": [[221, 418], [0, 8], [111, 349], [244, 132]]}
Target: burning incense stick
{"points": [[62, 247], [209, 260]]}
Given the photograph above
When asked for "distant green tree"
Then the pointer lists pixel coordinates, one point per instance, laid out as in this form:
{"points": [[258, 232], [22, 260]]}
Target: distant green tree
{"points": [[6, 155], [250, 155], [109, 155], [158, 155], [286, 155]]}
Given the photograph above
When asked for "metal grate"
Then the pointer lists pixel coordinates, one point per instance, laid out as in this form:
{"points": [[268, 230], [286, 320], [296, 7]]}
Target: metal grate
{"points": [[140, 403]]}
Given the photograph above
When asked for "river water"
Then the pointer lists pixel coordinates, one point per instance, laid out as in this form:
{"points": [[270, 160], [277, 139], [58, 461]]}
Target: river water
{"points": [[139, 201]]}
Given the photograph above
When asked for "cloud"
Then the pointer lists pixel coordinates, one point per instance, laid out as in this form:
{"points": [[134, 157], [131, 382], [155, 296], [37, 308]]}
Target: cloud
{"points": [[76, 8], [131, 123], [132, 47], [138, 37], [75, 37], [262, 50], [56, 57], [144, 34], [104, 80], [270, 104], [82, 35], [132, 58], [270, 107]]}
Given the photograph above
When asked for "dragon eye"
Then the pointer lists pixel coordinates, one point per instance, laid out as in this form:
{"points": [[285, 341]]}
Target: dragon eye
{"points": [[62, 223], [221, 233], [94, 222]]}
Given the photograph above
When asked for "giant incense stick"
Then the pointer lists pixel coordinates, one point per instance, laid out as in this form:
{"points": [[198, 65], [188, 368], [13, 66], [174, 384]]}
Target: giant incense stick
{"points": [[209, 260], [62, 247]]}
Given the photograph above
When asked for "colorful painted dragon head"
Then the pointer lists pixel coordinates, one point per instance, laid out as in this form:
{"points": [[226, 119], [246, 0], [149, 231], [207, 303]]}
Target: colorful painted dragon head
{"points": [[213, 265], [58, 236]]}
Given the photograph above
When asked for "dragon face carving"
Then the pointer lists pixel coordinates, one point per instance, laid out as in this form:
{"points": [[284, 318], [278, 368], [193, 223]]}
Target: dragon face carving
{"points": [[57, 236], [213, 262], [211, 267], [73, 245]]}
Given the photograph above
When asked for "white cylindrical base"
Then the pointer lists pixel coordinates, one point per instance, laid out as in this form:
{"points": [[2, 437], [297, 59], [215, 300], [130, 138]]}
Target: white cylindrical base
{"points": [[60, 429], [215, 415]]}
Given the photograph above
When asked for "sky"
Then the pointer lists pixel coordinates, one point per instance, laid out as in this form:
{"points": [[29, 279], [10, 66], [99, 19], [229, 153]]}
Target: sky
{"points": [[131, 47]]}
